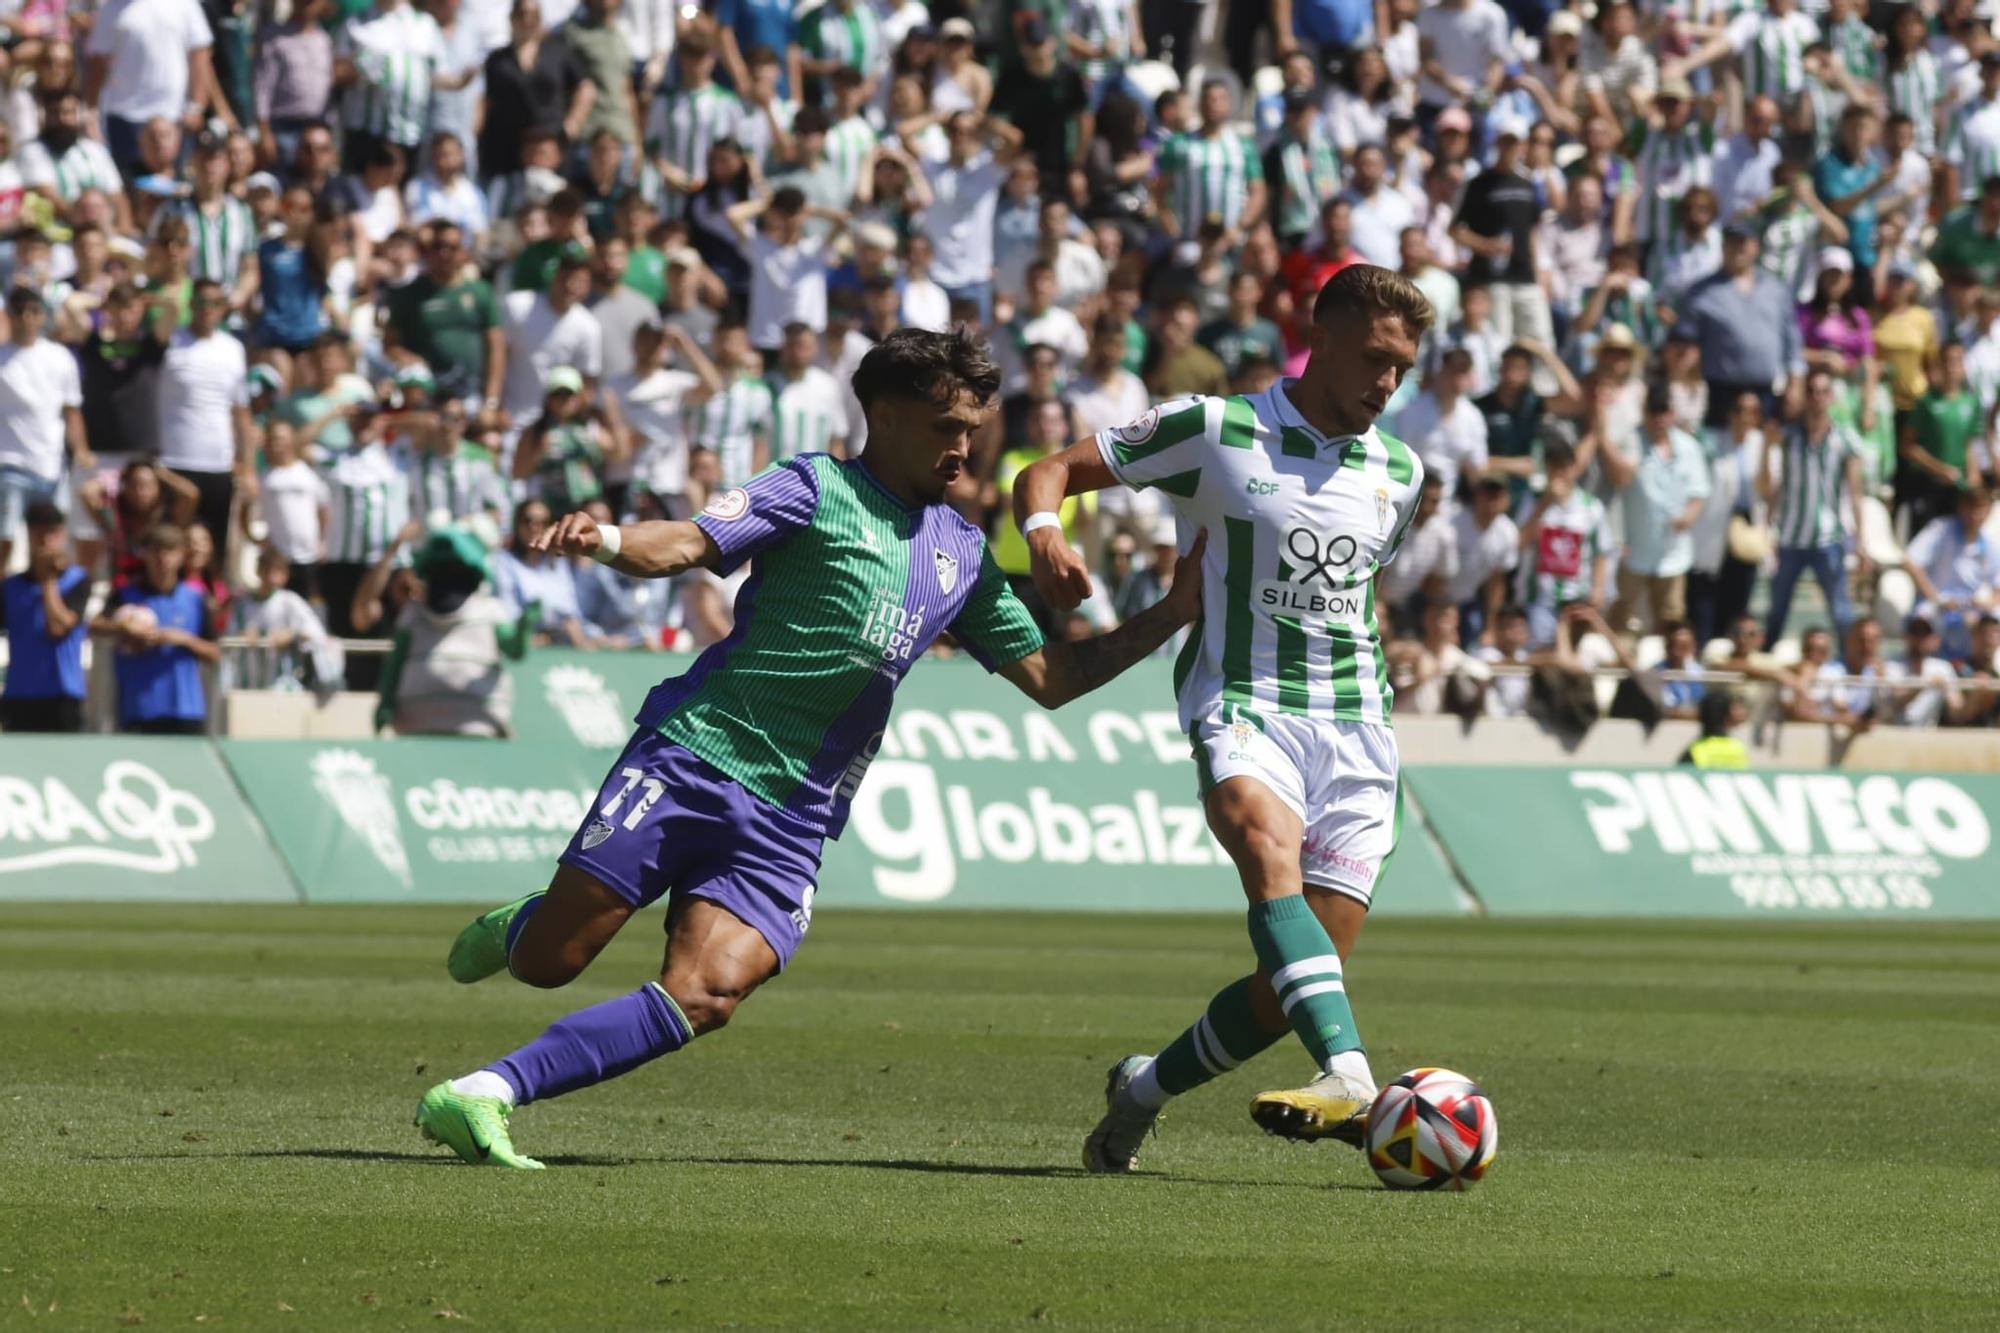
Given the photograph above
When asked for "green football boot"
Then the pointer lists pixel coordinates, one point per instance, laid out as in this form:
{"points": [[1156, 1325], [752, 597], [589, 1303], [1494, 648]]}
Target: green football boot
{"points": [[481, 948], [473, 1127]]}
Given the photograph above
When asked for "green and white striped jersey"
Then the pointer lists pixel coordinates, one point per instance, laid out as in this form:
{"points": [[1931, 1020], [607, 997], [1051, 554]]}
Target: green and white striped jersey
{"points": [[1828, 104], [1209, 176], [396, 55], [1791, 240], [1854, 42], [1308, 174], [85, 165], [852, 36], [221, 238], [460, 484], [1972, 144], [806, 413], [1669, 164], [1771, 52], [684, 125], [730, 423], [1107, 25], [847, 146], [1809, 487], [1573, 535], [1917, 90], [370, 500], [1299, 523]]}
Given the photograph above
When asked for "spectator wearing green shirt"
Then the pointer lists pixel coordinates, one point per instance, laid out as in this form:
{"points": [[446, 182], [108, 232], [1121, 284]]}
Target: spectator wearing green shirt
{"points": [[1967, 248], [1514, 413], [448, 319], [1935, 450], [321, 410]]}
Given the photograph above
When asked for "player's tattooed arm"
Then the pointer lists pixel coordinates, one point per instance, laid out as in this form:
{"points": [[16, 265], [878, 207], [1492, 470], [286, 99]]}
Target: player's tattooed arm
{"points": [[1056, 673], [653, 550]]}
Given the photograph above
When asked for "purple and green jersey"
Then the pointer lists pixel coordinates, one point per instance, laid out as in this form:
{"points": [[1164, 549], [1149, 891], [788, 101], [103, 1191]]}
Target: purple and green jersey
{"points": [[851, 586]]}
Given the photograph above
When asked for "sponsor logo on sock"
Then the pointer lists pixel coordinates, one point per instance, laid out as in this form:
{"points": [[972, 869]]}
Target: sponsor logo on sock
{"points": [[599, 830]]}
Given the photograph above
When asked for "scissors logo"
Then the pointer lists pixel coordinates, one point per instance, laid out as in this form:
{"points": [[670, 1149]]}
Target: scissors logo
{"points": [[1317, 560]]}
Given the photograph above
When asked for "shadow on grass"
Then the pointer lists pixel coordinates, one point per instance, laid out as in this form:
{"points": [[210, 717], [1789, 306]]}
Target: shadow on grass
{"points": [[390, 1158]]}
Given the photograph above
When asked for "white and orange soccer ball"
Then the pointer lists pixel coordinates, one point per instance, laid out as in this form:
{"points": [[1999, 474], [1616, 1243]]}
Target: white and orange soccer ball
{"points": [[1431, 1129]]}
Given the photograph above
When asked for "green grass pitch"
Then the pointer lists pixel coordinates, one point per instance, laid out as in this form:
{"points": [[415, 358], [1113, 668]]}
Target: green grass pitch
{"points": [[206, 1120]]}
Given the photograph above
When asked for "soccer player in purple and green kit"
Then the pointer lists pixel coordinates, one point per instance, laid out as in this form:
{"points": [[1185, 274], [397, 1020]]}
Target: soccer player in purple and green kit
{"points": [[742, 767]]}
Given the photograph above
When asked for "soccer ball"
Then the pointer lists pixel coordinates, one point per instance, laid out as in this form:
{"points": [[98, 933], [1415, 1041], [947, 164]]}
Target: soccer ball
{"points": [[1431, 1129]]}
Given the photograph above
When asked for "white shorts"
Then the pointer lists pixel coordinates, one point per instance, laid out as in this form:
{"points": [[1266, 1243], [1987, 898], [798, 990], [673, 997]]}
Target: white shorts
{"points": [[1339, 778]]}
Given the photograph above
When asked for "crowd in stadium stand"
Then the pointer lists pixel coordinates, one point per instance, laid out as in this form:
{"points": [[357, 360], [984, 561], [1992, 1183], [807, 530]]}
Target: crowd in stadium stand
{"points": [[317, 311]]}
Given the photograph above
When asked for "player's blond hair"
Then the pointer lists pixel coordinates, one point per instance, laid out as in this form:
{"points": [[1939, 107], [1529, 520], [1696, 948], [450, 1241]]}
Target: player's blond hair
{"points": [[1366, 290]]}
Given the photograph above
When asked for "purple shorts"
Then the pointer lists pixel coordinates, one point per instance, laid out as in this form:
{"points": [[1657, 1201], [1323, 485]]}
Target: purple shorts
{"points": [[667, 820]]}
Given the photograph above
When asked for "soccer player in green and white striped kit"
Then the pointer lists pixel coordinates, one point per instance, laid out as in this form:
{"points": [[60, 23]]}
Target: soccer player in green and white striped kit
{"points": [[1282, 685]]}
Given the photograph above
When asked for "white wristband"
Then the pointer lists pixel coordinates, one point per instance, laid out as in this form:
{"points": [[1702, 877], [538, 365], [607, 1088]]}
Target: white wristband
{"points": [[1046, 518], [609, 540]]}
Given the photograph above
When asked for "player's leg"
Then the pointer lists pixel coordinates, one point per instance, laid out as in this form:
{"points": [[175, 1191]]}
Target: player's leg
{"points": [[545, 938], [1356, 799], [743, 884], [1242, 773], [713, 960]]}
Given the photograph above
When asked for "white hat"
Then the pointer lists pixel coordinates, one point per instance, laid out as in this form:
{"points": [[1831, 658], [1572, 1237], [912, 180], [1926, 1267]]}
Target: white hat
{"points": [[1836, 257]]}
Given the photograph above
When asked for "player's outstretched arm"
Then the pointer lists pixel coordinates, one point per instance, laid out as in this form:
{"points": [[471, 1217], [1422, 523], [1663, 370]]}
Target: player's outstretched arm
{"points": [[1055, 673], [653, 550], [1060, 574]]}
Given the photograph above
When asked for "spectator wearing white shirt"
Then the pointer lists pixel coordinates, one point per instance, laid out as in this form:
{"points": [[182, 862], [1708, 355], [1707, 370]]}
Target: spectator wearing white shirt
{"points": [[445, 191], [807, 414], [294, 505], [1955, 563], [1744, 162], [1106, 395], [1379, 212], [924, 304], [41, 418], [1663, 474], [1940, 698], [1489, 548], [1464, 46], [653, 401], [146, 60], [205, 408], [1507, 696], [1040, 322], [787, 265], [965, 193], [550, 329], [1427, 563], [1444, 427]]}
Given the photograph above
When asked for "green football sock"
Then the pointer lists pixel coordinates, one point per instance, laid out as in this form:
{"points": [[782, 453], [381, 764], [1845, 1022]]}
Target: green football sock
{"points": [[1294, 949], [1221, 1039]]}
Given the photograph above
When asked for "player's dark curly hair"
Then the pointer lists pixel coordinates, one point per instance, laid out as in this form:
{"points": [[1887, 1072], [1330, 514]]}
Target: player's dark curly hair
{"points": [[929, 367]]}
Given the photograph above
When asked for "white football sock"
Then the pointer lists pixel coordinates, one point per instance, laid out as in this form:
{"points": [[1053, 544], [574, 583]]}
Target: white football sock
{"points": [[1352, 1068], [484, 1083], [1144, 1090]]}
